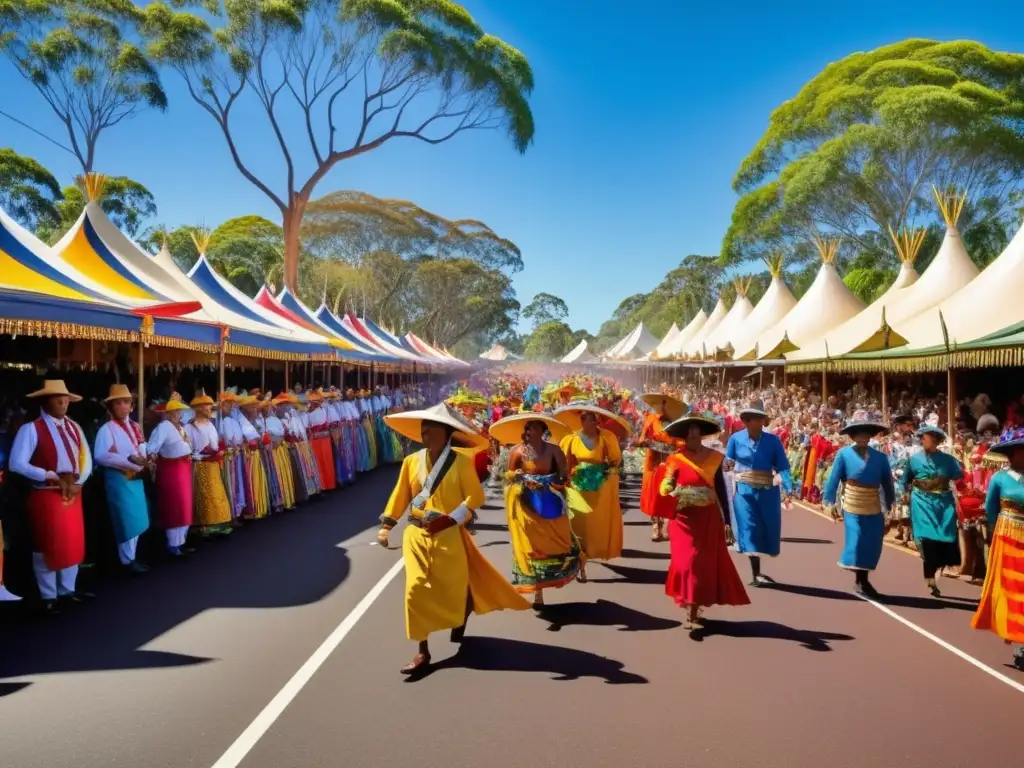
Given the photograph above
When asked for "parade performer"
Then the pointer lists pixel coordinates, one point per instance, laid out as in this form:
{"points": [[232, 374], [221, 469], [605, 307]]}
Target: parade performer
{"points": [[926, 483], [52, 453], [210, 506], [121, 450], [545, 552], [757, 456], [866, 477], [257, 490], [366, 419], [273, 427], [275, 486], [344, 467], [307, 481], [1001, 608], [594, 460], [174, 501], [233, 466], [659, 447], [701, 572], [446, 576], [320, 441]]}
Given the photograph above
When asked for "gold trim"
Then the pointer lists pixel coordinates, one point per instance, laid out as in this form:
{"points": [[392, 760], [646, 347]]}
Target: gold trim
{"points": [[46, 329]]}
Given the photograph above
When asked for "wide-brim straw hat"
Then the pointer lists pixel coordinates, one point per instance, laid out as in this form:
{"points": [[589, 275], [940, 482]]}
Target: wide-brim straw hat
{"points": [[285, 398], [118, 392], [55, 388], [409, 424], [674, 407], [680, 428], [509, 430], [873, 427], [570, 416], [175, 404], [201, 398]]}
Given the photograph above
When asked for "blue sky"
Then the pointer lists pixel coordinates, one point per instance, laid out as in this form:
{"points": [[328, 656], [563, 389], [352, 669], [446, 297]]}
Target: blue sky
{"points": [[642, 119]]}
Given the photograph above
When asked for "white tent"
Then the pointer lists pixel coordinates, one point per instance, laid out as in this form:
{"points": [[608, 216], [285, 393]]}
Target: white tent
{"points": [[879, 326], [637, 344], [498, 353], [731, 324], [691, 329], [989, 303], [695, 346], [666, 343], [827, 304], [580, 354], [776, 303]]}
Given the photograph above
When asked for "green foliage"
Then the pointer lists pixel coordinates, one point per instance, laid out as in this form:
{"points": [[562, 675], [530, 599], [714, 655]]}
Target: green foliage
{"points": [[28, 192], [860, 146], [85, 59], [549, 341], [374, 70], [128, 203], [545, 308]]}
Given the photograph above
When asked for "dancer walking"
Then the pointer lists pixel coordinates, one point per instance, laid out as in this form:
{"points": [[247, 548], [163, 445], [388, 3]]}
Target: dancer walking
{"points": [[701, 572], [659, 446], [545, 552], [757, 457], [866, 477], [446, 576]]}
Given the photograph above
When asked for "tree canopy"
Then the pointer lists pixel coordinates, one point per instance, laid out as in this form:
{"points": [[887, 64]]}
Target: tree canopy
{"points": [[860, 147], [354, 74], [549, 341], [545, 308], [87, 62], [28, 191]]}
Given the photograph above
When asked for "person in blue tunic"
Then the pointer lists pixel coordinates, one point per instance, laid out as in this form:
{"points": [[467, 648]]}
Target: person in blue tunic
{"points": [[756, 457], [866, 477], [927, 484], [1000, 609]]}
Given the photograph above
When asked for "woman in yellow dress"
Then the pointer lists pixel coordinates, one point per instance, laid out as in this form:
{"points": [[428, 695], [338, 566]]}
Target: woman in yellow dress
{"points": [[446, 576], [594, 459], [545, 552]]}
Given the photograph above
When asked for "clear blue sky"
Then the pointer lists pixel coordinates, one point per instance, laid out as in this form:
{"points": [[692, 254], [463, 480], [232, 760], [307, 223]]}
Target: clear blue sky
{"points": [[643, 111]]}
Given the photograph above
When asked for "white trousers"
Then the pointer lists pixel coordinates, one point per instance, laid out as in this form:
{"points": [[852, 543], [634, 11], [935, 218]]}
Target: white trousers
{"points": [[126, 551], [53, 584], [176, 536]]}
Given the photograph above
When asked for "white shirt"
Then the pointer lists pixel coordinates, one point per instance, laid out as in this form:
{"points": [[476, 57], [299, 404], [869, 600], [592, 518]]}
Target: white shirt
{"points": [[349, 411], [26, 441], [333, 412], [293, 423], [248, 430], [167, 442], [202, 435], [229, 431], [275, 427], [318, 417], [114, 444]]}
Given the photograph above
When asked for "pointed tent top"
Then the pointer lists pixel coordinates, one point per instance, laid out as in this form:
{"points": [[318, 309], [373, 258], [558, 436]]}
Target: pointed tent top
{"points": [[908, 243], [774, 261], [742, 285], [93, 185], [951, 205], [827, 248], [201, 238]]}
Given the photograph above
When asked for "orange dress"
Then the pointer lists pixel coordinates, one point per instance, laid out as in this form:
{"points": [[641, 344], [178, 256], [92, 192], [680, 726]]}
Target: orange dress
{"points": [[652, 503]]}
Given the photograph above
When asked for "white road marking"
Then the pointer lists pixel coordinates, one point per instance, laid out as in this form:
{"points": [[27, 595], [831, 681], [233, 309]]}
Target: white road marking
{"points": [[1017, 686], [265, 719]]}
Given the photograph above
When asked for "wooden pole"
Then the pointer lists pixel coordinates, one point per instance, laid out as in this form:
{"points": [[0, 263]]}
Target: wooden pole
{"points": [[824, 386], [263, 375], [287, 371], [220, 367], [951, 403], [142, 383], [92, 354], [885, 399]]}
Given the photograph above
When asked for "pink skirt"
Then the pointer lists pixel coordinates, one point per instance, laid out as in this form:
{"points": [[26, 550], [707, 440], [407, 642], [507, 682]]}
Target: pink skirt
{"points": [[174, 492]]}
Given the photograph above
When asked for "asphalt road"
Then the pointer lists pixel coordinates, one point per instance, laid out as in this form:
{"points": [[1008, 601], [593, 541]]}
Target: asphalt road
{"points": [[170, 669]]}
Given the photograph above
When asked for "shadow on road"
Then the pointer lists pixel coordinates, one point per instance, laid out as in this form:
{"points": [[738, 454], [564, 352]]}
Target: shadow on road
{"points": [[801, 540], [285, 560], [498, 543], [896, 601], [478, 526], [626, 573], [498, 654], [641, 554], [603, 613], [811, 639]]}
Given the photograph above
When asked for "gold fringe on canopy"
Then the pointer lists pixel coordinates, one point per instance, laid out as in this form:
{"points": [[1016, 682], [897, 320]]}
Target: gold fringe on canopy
{"points": [[45, 329], [951, 205], [93, 185], [1001, 357]]}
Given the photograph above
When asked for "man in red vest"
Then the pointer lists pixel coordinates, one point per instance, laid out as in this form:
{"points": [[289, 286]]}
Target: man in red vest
{"points": [[52, 453]]}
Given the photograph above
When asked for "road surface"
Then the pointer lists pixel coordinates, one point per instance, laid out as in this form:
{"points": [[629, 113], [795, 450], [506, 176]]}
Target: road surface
{"points": [[175, 668]]}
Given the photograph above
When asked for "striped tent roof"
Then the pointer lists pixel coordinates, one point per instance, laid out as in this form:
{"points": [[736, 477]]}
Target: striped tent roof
{"points": [[290, 302]]}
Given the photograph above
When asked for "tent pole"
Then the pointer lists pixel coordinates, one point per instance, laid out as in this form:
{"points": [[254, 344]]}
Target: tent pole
{"points": [[287, 370], [142, 382], [92, 354], [220, 367], [263, 375], [951, 403], [824, 386], [885, 399]]}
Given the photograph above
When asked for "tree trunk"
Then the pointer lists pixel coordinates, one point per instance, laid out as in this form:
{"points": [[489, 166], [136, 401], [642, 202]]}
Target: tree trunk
{"points": [[292, 226]]}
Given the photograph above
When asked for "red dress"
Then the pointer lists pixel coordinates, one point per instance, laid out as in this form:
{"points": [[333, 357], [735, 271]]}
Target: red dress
{"points": [[652, 503], [700, 572]]}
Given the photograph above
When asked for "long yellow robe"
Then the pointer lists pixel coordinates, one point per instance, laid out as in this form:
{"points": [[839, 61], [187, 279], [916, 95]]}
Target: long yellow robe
{"points": [[442, 571], [601, 529]]}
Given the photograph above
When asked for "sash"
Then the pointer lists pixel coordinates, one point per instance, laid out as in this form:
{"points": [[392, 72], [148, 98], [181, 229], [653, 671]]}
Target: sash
{"points": [[695, 495], [430, 481]]}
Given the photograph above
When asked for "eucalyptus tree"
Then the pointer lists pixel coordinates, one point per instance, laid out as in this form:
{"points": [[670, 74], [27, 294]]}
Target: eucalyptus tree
{"points": [[28, 191]]}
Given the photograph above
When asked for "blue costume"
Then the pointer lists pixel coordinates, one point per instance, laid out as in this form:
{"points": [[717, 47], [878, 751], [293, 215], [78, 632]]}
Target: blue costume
{"points": [[866, 479], [928, 478], [757, 505]]}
